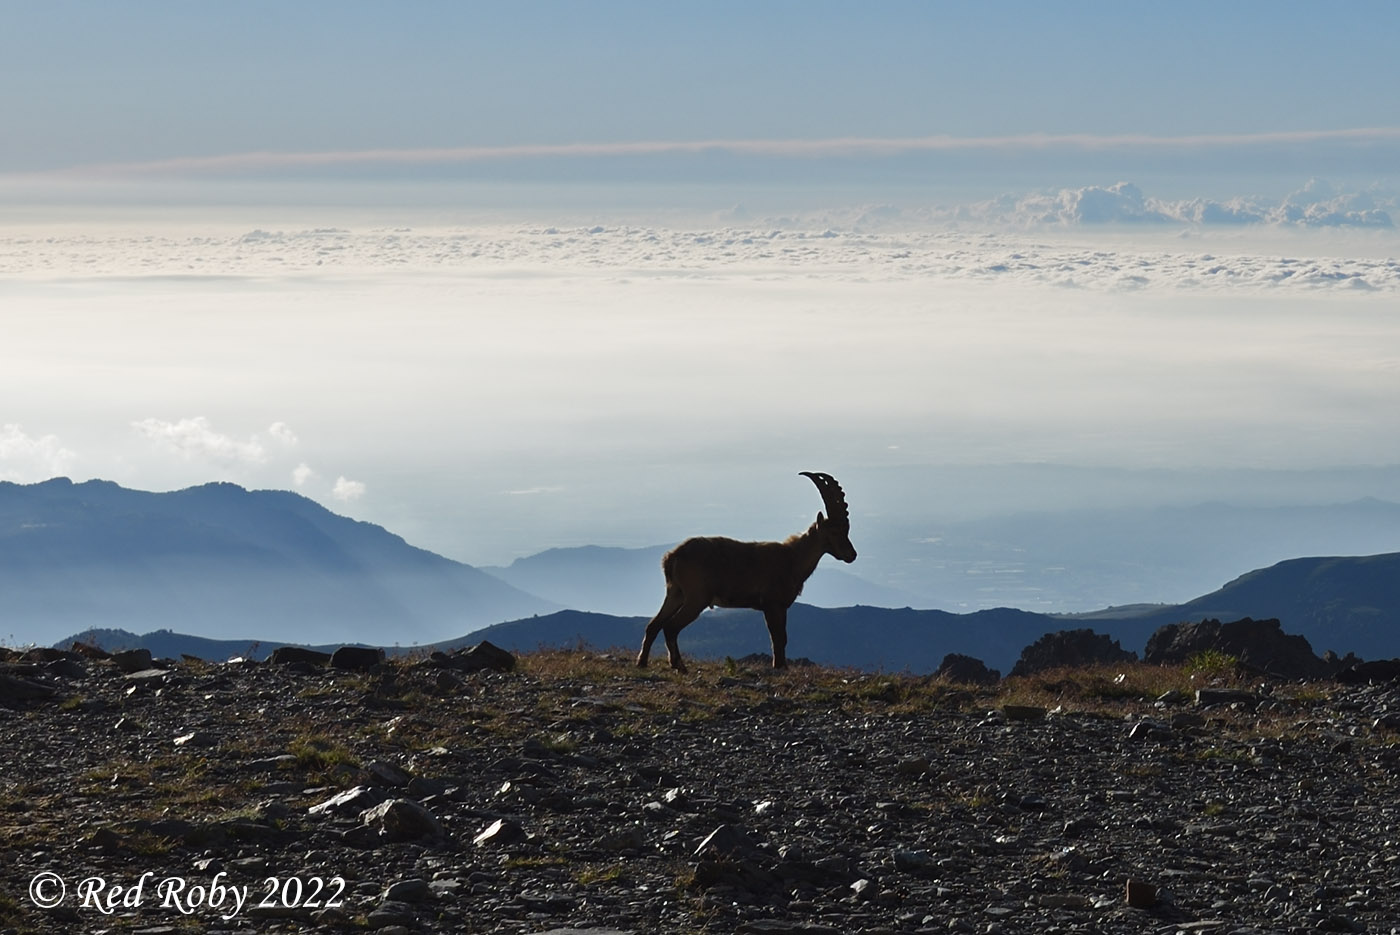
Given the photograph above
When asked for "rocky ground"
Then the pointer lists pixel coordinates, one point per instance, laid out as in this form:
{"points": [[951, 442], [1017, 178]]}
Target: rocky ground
{"points": [[577, 793]]}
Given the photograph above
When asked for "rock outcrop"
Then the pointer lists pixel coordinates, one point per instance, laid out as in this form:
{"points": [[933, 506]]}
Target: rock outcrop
{"points": [[1069, 648], [1260, 646]]}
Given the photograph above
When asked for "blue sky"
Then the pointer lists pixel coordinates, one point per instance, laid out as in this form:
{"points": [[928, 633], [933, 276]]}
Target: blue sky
{"points": [[95, 83]]}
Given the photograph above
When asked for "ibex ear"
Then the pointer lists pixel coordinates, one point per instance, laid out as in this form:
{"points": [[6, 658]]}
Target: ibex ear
{"points": [[821, 520]]}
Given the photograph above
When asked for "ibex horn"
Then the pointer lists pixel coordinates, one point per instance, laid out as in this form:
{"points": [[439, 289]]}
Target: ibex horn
{"points": [[831, 493]]}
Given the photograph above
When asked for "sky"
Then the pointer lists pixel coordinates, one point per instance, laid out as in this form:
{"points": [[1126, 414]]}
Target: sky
{"points": [[507, 276]]}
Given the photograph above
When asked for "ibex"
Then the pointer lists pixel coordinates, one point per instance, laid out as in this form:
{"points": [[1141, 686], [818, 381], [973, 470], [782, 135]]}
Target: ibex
{"points": [[767, 576]]}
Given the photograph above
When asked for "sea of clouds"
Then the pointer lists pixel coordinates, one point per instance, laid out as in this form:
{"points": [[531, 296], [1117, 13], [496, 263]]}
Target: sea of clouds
{"points": [[1127, 241], [490, 389]]}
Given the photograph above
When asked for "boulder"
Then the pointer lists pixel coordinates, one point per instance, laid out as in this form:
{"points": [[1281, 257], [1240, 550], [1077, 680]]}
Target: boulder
{"points": [[966, 670], [482, 656], [90, 651], [499, 832], [133, 660], [1260, 645], [287, 655], [402, 820], [356, 658], [1070, 649], [1362, 673]]}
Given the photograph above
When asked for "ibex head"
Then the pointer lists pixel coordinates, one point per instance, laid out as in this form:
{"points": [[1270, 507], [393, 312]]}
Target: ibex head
{"points": [[835, 526]]}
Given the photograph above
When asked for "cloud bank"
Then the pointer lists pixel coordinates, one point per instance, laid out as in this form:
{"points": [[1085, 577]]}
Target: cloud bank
{"points": [[1317, 204], [807, 149], [1012, 240], [346, 490], [26, 458], [196, 438]]}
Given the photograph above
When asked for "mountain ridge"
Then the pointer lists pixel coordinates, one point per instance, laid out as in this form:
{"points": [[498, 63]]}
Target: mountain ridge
{"points": [[219, 560], [905, 639]]}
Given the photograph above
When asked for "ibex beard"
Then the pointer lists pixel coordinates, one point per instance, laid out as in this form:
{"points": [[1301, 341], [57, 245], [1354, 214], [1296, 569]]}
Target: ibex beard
{"points": [[716, 572]]}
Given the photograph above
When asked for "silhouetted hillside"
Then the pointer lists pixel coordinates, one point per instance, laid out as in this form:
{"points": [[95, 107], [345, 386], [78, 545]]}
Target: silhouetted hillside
{"points": [[223, 562], [167, 644], [1345, 604], [861, 637]]}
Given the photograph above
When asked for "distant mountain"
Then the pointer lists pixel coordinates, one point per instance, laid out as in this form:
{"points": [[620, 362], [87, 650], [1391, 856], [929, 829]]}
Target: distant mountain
{"points": [[874, 638], [167, 644], [220, 561], [629, 581], [591, 577], [1348, 605], [225, 564], [1090, 558], [1345, 604]]}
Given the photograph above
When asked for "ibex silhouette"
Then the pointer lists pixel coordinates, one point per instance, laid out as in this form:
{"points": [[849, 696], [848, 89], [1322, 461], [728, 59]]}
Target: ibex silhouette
{"points": [[768, 576]]}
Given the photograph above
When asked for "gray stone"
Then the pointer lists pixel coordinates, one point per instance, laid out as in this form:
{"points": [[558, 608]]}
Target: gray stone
{"points": [[133, 660], [631, 838], [356, 658], [500, 832], [354, 801], [864, 889], [18, 689], [287, 655], [402, 820], [1150, 730], [912, 861], [408, 891], [1139, 895], [1210, 697], [1022, 712], [388, 773], [725, 841], [912, 766], [197, 738]]}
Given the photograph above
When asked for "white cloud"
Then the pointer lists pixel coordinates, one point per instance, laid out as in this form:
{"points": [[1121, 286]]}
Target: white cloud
{"points": [[347, 490], [301, 474], [195, 438], [25, 458], [283, 433], [1316, 205]]}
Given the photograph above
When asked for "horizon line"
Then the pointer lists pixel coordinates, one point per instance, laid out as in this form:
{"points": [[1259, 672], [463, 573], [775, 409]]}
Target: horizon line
{"points": [[828, 147]]}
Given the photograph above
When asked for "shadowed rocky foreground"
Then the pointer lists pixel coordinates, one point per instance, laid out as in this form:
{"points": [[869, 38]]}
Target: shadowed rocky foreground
{"points": [[475, 792]]}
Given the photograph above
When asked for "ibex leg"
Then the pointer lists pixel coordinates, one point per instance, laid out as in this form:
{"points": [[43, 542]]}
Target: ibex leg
{"points": [[776, 618], [682, 619], [669, 606]]}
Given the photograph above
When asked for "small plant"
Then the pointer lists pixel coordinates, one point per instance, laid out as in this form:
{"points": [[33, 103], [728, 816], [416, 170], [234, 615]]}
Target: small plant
{"points": [[1212, 663], [536, 862], [596, 875], [560, 743], [316, 753]]}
